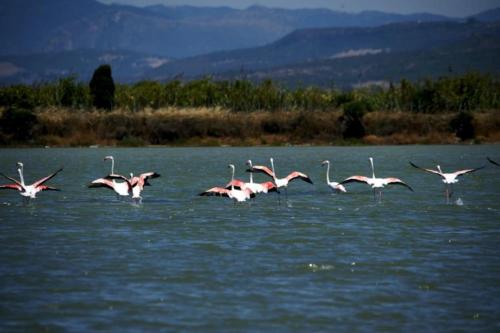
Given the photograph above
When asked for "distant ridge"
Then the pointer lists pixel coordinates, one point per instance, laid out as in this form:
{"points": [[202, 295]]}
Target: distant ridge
{"points": [[66, 25]]}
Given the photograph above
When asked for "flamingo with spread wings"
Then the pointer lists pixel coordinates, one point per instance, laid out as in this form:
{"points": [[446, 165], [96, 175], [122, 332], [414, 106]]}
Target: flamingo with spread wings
{"points": [[377, 184], [280, 182], [449, 178], [121, 189], [239, 195], [29, 191], [265, 187], [135, 184]]}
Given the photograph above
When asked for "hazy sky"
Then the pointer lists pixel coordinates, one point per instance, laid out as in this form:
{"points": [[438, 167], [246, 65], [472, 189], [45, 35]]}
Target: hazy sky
{"points": [[445, 7]]}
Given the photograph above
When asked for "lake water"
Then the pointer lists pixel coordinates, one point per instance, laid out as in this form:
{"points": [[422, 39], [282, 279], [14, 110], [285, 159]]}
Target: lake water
{"points": [[81, 260]]}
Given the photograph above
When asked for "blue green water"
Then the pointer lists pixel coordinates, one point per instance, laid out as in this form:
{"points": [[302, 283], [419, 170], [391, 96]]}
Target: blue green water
{"points": [[81, 260]]}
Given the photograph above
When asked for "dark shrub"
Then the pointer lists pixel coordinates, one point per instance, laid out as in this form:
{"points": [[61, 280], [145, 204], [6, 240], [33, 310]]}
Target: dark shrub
{"points": [[462, 126], [102, 88], [352, 120], [18, 123]]}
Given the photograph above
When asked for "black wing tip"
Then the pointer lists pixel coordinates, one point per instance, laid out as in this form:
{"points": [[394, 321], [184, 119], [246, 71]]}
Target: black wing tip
{"points": [[308, 180], [492, 161]]}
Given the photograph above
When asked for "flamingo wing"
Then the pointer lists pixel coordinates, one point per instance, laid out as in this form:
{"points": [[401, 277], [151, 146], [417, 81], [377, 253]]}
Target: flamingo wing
{"points": [[236, 183], [12, 179], [427, 170], [216, 191], [261, 169], [47, 188], [11, 187], [463, 172], [397, 181], [148, 175], [270, 186], [357, 179], [43, 180], [492, 162], [102, 182], [118, 176], [299, 175]]}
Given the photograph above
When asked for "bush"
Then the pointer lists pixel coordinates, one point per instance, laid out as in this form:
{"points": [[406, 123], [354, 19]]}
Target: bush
{"points": [[352, 120], [102, 88], [18, 123], [462, 126]]}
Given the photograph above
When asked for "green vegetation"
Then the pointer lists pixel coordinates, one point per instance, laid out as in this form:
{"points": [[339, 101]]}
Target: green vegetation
{"points": [[239, 112]]}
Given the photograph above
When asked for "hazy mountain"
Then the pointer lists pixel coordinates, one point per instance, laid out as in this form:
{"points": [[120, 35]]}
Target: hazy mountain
{"points": [[478, 53], [488, 16], [33, 26], [126, 66], [310, 45]]}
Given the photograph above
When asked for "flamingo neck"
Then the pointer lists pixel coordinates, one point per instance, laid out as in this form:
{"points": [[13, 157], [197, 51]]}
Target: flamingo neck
{"points": [[272, 168], [373, 168], [232, 178], [20, 170], [251, 173], [112, 166], [328, 173]]}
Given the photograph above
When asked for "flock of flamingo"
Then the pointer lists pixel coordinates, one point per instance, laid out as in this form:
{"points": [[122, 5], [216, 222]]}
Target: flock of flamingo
{"points": [[236, 189]]}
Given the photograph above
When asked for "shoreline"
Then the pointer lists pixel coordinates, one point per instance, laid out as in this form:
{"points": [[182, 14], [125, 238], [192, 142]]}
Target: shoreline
{"points": [[215, 127]]}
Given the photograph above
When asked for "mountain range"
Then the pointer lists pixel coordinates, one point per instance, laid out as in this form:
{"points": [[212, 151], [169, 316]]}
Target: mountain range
{"points": [[43, 40]]}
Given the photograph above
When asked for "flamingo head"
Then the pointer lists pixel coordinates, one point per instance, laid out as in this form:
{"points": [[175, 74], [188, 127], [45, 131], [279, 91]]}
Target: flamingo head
{"points": [[231, 166], [108, 158], [249, 163], [20, 164], [131, 175], [325, 162]]}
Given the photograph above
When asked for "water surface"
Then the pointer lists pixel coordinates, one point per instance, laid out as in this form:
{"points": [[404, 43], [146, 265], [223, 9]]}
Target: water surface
{"points": [[82, 260]]}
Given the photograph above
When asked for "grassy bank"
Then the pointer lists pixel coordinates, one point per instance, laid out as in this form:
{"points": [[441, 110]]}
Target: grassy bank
{"points": [[214, 126]]}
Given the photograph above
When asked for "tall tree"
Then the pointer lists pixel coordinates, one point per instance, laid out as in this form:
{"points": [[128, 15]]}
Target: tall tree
{"points": [[102, 88]]}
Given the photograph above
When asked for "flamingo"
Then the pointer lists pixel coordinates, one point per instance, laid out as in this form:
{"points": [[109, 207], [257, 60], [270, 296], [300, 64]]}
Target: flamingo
{"points": [[29, 191], [377, 184], [333, 185], [121, 189], [280, 182], [255, 187], [448, 178], [239, 195], [135, 184], [493, 162]]}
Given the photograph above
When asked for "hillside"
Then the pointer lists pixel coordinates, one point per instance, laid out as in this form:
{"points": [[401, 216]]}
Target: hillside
{"points": [[127, 66], [337, 46], [67, 25], [355, 70]]}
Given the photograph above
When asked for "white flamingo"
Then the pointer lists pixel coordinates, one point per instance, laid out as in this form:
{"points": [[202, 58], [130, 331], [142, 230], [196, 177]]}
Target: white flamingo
{"points": [[265, 187], [280, 182], [333, 185], [238, 195], [122, 189], [448, 178], [29, 191], [377, 184], [493, 162]]}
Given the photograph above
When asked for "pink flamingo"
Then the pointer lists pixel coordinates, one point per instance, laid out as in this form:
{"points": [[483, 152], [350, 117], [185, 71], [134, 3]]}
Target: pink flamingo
{"points": [[29, 191]]}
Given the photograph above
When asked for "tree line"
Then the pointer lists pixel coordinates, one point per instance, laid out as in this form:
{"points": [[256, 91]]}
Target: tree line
{"points": [[29, 112], [468, 92]]}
